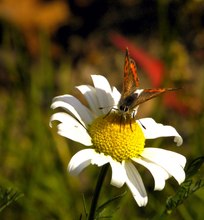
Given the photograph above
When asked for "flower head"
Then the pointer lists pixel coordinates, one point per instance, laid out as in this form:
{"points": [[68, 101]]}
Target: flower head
{"points": [[116, 140]]}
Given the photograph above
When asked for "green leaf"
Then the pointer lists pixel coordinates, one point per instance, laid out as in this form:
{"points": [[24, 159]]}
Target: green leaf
{"points": [[7, 196], [188, 187], [102, 207], [194, 167]]}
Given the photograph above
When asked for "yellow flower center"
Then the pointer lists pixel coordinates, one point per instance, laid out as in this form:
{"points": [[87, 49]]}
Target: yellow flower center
{"points": [[116, 136]]}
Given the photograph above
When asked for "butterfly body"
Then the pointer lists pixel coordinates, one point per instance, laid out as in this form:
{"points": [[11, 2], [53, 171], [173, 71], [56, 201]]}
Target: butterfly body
{"points": [[128, 103], [131, 95]]}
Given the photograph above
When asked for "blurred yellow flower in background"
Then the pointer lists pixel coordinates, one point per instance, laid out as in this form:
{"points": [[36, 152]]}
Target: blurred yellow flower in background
{"points": [[33, 16]]}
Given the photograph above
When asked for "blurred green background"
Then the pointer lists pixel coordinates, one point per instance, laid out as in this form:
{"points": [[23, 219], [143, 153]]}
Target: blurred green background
{"points": [[47, 48]]}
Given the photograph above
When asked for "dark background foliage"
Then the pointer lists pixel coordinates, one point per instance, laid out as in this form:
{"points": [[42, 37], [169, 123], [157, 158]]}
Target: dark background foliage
{"points": [[46, 49]]}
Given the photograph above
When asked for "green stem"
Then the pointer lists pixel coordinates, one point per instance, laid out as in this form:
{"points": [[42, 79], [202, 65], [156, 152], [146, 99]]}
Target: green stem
{"points": [[97, 191]]}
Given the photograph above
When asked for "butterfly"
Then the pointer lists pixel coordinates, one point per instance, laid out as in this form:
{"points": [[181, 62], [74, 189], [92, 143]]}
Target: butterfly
{"points": [[131, 95]]}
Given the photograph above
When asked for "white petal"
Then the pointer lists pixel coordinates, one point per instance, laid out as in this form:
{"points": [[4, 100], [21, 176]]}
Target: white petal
{"points": [[100, 159], [135, 184], [71, 128], [158, 173], [116, 96], [74, 106], [153, 130], [172, 162], [160, 153], [118, 171], [103, 92], [118, 174], [90, 95], [80, 161]]}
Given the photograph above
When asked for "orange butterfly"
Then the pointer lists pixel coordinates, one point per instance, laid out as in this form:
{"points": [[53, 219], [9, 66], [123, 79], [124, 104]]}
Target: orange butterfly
{"points": [[131, 95]]}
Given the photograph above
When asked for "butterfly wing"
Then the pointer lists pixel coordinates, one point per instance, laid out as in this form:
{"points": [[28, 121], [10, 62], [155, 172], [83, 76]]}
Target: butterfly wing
{"points": [[131, 96], [148, 94], [131, 80]]}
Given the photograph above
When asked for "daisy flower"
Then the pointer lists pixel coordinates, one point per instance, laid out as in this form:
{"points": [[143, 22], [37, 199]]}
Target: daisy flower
{"points": [[115, 140]]}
